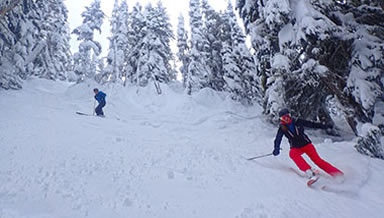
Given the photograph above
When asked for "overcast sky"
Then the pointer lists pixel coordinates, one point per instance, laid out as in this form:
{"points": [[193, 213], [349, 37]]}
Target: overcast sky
{"points": [[174, 8]]}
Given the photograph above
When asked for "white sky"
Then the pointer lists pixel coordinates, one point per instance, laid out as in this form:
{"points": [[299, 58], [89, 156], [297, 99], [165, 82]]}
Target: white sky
{"points": [[174, 8]]}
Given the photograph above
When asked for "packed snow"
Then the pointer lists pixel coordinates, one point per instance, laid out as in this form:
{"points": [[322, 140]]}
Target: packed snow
{"points": [[168, 155]]}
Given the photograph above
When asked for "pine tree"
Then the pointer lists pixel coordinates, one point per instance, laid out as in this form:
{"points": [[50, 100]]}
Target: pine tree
{"points": [[155, 52], [213, 44], [198, 72], [9, 77], [54, 61], [18, 42], [325, 48], [303, 84], [86, 59], [165, 35], [182, 45], [333, 51], [134, 35], [243, 58], [371, 142], [358, 56], [34, 41], [232, 73], [365, 80], [122, 40], [118, 44], [111, 70], [264, 20]]}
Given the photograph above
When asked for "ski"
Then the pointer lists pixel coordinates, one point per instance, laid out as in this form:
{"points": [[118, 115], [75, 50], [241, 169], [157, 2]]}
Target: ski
{"points": [[81, 113], [312, 181], [84, 114], [315, 176]]}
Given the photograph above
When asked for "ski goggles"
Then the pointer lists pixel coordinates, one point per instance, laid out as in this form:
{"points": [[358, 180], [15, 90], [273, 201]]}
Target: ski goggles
{"points": [[286, 118]]}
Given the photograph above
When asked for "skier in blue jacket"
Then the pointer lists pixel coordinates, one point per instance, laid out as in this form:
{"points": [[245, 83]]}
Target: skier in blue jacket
{"points": [[100, 97]]}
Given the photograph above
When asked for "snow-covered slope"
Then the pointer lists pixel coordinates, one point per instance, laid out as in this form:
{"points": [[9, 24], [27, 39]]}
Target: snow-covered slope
{"points": [[168, 156]]}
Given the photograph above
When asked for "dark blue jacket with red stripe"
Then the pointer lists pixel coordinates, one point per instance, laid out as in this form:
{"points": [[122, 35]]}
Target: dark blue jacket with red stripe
{"points": [[296, 136]]}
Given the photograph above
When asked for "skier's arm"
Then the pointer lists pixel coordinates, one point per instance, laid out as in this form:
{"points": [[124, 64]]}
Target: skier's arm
{"points": [[102, 96], [311, 124], [278, 138], [98, 97]]}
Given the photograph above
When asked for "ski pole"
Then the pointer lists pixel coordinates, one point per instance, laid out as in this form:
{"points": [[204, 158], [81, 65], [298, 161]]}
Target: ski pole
{"points": [[257, 157], [264, 155], [94, 104]]}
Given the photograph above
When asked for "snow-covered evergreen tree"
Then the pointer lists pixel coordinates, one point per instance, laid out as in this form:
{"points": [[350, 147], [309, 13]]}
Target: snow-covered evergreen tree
{"points": [[111, 70], [198, 72], [284, 36], [54, 60], [134, 35], [12, 20], [155, 52], [301, 42], [34, 41], [329, 47], [164, 29], [363, 66], [118, 43], [20, 41], [86, 59], [370, 142], [232, 72], [336, 46], [236, 52], [122, 40], [365, 80], [38, 43], [213, 44], [263, 20], [182, 45]]}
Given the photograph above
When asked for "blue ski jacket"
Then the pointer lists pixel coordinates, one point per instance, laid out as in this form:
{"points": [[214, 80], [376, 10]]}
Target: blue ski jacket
{"points": [[295, 133], [100, 96]]}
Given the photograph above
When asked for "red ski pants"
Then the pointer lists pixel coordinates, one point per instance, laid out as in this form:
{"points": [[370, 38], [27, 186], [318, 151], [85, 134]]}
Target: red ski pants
{"points": [[295, 155]]}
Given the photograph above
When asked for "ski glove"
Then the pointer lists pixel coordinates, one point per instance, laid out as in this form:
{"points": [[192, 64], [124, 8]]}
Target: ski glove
{"points": [[276, 152]]}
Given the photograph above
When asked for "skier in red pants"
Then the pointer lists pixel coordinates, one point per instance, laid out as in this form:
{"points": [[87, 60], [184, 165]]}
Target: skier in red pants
{"points": [[300, 144]]}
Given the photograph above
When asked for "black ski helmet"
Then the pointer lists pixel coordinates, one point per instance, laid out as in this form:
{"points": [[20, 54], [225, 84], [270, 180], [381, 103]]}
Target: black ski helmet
{"points": [[283, 112]]}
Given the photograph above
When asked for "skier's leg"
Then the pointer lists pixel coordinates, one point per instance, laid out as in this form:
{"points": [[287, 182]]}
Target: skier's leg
{"points": [[98, 110], [295, 155], [102, 104], [324, 165]]}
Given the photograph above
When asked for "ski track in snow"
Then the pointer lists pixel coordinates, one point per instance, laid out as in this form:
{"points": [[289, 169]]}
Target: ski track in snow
{"points": [[162, 156]]}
